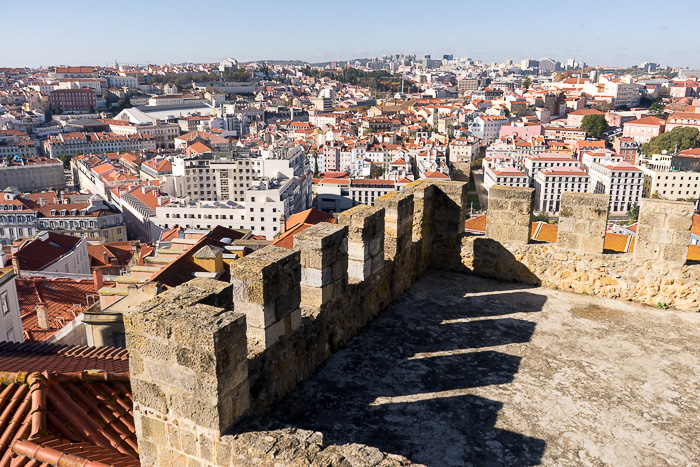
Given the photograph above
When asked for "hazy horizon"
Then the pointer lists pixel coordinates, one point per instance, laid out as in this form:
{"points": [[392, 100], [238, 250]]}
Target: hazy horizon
{"points": [[69, 33]]}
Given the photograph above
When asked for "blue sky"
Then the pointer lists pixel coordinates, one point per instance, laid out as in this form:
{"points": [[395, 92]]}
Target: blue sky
{"points": [[612, 32]]}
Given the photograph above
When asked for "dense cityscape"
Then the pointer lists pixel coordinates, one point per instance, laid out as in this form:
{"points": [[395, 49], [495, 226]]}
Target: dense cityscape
{"points": [[121, 184]]}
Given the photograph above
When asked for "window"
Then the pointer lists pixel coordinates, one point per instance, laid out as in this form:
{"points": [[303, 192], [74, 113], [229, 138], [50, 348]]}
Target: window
{"points": [[119, 339], [4, 303]]}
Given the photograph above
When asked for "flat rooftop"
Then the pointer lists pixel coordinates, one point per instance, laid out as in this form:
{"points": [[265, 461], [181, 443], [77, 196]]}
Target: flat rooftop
{"points": [[463, 370]]}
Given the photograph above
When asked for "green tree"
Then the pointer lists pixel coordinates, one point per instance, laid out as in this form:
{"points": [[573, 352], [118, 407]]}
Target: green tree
{"points": [[594, 125], [90, 109], [678, 139], [657, 109], [377, 171], [540, 217], [57, 110], [527, 82], [240, 74], [65, 158], [633, 213]]}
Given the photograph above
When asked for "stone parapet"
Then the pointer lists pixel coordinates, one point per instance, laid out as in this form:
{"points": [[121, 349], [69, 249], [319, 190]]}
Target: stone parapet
{"points": [[583, 220], [198, 366], [267, 288], [188, 363], [509, 217], [620, 276], [663, 231], [324, 264], [365, 240]]}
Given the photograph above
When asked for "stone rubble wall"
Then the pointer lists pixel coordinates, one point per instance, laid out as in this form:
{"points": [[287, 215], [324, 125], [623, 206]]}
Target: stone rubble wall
{"points": [[207, 354]]}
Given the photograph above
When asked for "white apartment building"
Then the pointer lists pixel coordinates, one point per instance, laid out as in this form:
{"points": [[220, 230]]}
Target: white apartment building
{"points": [[602, 156], [266, 202], [463, 149], [163, 133], [672, 185], [53, 252], [87, 143], [498, 160], [10, 321], [117, 81], [487, 128], [534, 164], [16, 220], [551, 182], [621, 180], [623, 93], [207, 177], [352, 159], [201, 214], [504, 175], [365, 191]]}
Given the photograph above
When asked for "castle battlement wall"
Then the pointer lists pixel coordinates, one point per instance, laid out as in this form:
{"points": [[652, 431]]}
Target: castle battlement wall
{"points": [[207, 354], [656, 273]]}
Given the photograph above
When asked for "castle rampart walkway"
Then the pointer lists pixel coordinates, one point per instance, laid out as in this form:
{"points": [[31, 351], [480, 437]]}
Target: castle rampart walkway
{"points": [[463, 370]]}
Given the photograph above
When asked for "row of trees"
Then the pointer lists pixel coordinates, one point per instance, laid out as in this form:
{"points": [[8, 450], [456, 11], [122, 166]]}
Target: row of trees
{"points": [[183, 80], [377, 80]]}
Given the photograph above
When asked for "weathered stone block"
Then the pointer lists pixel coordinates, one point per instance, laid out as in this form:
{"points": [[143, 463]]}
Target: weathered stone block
{"points": [[317, 297], [583, 220], [512, 224], [663, 231]]}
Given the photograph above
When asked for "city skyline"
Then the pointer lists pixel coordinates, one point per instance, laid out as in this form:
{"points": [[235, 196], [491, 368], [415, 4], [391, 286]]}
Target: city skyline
{"points": [[309, 32]]}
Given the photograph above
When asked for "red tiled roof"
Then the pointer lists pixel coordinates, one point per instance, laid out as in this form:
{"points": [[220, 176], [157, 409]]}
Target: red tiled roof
{"points": [[695, 228], [121, 251], [647, 121], [476, 224], [58, 295], [586, 112], [33, 357], [37, 254], [48, 196], [298, 223], [67, 400], [310, 216], [182, 269], [335, 174]]}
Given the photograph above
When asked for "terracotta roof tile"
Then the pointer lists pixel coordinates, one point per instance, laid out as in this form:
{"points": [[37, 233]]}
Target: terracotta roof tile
{"points": [[476, 224], [37, 254], [60, 296], [33, 357]]}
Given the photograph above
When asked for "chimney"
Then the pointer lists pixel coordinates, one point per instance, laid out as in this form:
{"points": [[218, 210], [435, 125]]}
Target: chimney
{"points": [[283, 224], [97, 279], [42, 316], [105, 257]]}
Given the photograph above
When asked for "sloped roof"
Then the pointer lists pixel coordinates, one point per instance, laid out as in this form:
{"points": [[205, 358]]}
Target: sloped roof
{"points": [[477, 224], [38, 356], [182, 268], [695, 228], [298, 223], [59, 297], [37, 254], [83, 401], [310, 216]]}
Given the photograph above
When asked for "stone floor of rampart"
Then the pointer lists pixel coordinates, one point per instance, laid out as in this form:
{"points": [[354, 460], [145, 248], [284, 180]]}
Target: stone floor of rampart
{"points": [[463, 371]]}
